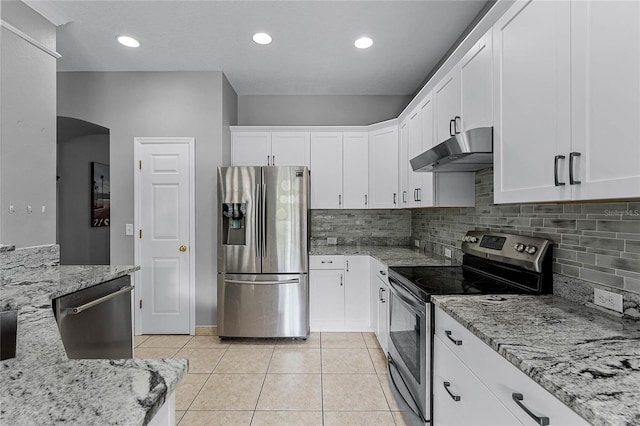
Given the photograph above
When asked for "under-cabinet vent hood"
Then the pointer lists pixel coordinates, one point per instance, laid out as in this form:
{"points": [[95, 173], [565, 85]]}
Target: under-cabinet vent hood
{"points": [[465, 152]]}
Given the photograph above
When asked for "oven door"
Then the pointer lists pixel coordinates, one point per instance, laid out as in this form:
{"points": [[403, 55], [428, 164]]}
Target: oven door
{"points": [[409, 355]]}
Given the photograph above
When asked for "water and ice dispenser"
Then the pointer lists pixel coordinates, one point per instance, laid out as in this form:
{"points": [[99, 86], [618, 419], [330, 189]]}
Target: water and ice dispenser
{"points": [[233, 224]]}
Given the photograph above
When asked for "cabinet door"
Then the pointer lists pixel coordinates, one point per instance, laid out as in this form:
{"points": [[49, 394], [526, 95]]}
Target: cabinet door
{"points": [[382, 332], [326, 300], [415, 181], [250, 148], [531, 102], [476, 84], [446, 97], [425, 195], [355, 166], [605, 78], [290, 149], [357, 270], [326, 170], [403, 165], [383, 168], [459, 398]]}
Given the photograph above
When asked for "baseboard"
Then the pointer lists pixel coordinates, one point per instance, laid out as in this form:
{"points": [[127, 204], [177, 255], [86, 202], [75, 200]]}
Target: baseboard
{"points": [[206, 330]]}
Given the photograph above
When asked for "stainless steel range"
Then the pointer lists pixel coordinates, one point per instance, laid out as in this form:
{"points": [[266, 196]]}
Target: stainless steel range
{"points": [[493, 263]]}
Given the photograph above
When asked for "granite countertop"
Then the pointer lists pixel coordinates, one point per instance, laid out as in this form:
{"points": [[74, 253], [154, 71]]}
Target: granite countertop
{"points": [[588, 359], [42, 386], [389, 255]]}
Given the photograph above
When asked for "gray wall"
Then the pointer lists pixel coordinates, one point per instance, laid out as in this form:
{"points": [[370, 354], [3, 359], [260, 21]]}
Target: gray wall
{"points": [[318, 110], [598, 242], [134, 104], [80, 143], [28, 130]]}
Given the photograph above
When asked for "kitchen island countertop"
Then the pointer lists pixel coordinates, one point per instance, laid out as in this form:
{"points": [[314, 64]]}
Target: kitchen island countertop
{"points": [[389, 255], [588, 359], [42, 386]]}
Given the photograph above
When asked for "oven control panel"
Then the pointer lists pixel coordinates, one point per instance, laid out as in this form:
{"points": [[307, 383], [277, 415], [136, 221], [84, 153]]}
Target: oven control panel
{"points": [[520, 250]]}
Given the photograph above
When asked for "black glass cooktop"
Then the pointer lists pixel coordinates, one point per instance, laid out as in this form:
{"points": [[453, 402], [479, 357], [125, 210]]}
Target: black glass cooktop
{"points": [[447, 280]]}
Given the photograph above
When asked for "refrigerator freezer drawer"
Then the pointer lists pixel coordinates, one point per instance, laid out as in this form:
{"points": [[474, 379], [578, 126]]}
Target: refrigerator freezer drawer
{"points": [[263, 305]]}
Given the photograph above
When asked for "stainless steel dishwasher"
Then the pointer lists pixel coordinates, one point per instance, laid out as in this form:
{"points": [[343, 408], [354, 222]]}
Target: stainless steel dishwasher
{"points": [[96, 322]]}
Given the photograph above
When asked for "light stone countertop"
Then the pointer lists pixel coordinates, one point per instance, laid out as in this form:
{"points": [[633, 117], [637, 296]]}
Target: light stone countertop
{"points": [[42, 386], [389, 255], [588, 359]]}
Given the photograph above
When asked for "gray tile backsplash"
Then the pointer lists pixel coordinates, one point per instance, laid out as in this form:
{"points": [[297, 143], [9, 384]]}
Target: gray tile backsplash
{"points": [[598, 242], [361, 227]]}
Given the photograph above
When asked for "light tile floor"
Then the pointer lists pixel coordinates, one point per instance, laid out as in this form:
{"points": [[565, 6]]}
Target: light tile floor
{"points": [[329, 379]]}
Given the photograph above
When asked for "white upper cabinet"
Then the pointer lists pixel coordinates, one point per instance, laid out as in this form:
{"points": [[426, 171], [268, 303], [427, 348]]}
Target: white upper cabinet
{"points": [[270, 149], [446, 97], [383, 168], [403, 164], [476, 85], [532, 102], [424, 195], [355, 165], [290, 149], [326, 170], [250, 148], [605, 87]]}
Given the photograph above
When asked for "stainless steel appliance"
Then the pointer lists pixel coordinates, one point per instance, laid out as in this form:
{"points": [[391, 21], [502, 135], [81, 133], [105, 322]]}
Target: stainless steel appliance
{"points": [[493, 263], [463, 152], [263, 263], [96, 322]]}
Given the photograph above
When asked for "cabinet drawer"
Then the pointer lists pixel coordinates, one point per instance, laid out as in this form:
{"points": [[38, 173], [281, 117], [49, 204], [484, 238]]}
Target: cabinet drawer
{"points": [[475, 404], [382, 271], [501, 377], [326, 262]]}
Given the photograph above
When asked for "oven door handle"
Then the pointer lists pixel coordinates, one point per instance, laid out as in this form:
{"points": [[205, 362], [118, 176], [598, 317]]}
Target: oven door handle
{"points": [[417, 412], [406, 296]]}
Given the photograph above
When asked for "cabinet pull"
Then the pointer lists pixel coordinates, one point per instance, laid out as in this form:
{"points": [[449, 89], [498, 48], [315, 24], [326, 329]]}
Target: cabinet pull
{"points": [[347, 269], [365, 199], [383, 300], [446, 387], [273, 160], [450, 130], [555, 170], [542, 421], [340, 279], [268, 160], [404, 197], [419, 194], [380, 294], [326, 261], [394, 198], [383, 273], [456, 342], [572, 181], [455, 124], [339, 199]]}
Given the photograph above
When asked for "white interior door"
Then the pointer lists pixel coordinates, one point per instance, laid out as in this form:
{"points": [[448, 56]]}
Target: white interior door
{"points": [[164, 235]]}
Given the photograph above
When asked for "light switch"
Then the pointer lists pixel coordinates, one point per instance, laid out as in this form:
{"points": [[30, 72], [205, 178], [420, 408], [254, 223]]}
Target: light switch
{"points": [[12, 209], [29, 209], [128, 229]]}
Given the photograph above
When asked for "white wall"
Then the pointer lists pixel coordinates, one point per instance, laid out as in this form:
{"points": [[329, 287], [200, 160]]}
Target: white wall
{"points": [[133, 104], [28, 130], [318, 110]]}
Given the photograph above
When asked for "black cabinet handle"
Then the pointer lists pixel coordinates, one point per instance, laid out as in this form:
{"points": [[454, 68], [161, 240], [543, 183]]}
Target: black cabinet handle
{"points": [[383, 273], [455, 124], [542, 421], [454, 397], [456, 342], [382, 299], [555, 170], [572, 181], [273, 160], [326, 261], [365, 199], [451, 132], [419, 191], [394, 198], [268, 160]]}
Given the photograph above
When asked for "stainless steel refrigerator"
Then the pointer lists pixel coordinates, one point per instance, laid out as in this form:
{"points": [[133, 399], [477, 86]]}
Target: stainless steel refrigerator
{"points": [[263, 287]]}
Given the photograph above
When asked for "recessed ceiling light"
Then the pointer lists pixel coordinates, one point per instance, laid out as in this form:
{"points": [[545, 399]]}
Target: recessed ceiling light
{"points": [[128, 41], [363, 43], [262, 38]]}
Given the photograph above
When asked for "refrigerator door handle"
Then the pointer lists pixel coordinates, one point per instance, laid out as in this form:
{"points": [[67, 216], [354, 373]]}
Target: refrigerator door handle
{"points": [[291, 281], [264, 219], [257, 216]]}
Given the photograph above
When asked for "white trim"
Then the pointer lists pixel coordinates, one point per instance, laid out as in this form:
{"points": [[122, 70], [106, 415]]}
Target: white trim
{"points": [[29, 39], [138, 141]]}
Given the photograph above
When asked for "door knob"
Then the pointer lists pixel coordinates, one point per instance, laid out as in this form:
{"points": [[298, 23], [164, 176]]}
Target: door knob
{"points": [[183, 248]]}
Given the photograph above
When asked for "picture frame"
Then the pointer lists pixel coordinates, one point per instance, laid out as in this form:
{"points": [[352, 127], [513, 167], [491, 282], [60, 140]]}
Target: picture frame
{"points": [[100, 195]]}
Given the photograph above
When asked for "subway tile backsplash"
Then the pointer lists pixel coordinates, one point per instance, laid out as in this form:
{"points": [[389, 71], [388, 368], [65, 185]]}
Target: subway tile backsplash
{"points": [[594, 241], [361, 227]]}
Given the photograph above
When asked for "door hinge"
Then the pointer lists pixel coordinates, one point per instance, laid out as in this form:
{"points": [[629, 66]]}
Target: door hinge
{"points": [[140, 164], [140, 234], [140, 303]]}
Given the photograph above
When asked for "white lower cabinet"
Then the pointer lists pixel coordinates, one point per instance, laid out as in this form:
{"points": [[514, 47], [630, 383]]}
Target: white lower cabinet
{"points": [[339, 293], [379, 303], [166, 415], [459, 398], [512, 388]]}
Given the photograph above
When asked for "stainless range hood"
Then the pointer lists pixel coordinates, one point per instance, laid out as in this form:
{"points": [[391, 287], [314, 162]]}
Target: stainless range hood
{"points": [[465, 152]]}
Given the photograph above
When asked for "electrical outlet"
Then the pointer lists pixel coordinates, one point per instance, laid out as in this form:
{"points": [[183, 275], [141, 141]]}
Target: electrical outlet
{"points": [[416, 243], [607, 299], [332, 241], [447, 253]]}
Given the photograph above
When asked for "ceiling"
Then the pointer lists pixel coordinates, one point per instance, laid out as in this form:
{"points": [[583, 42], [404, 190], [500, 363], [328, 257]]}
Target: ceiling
{"points": [[312, 50]]}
